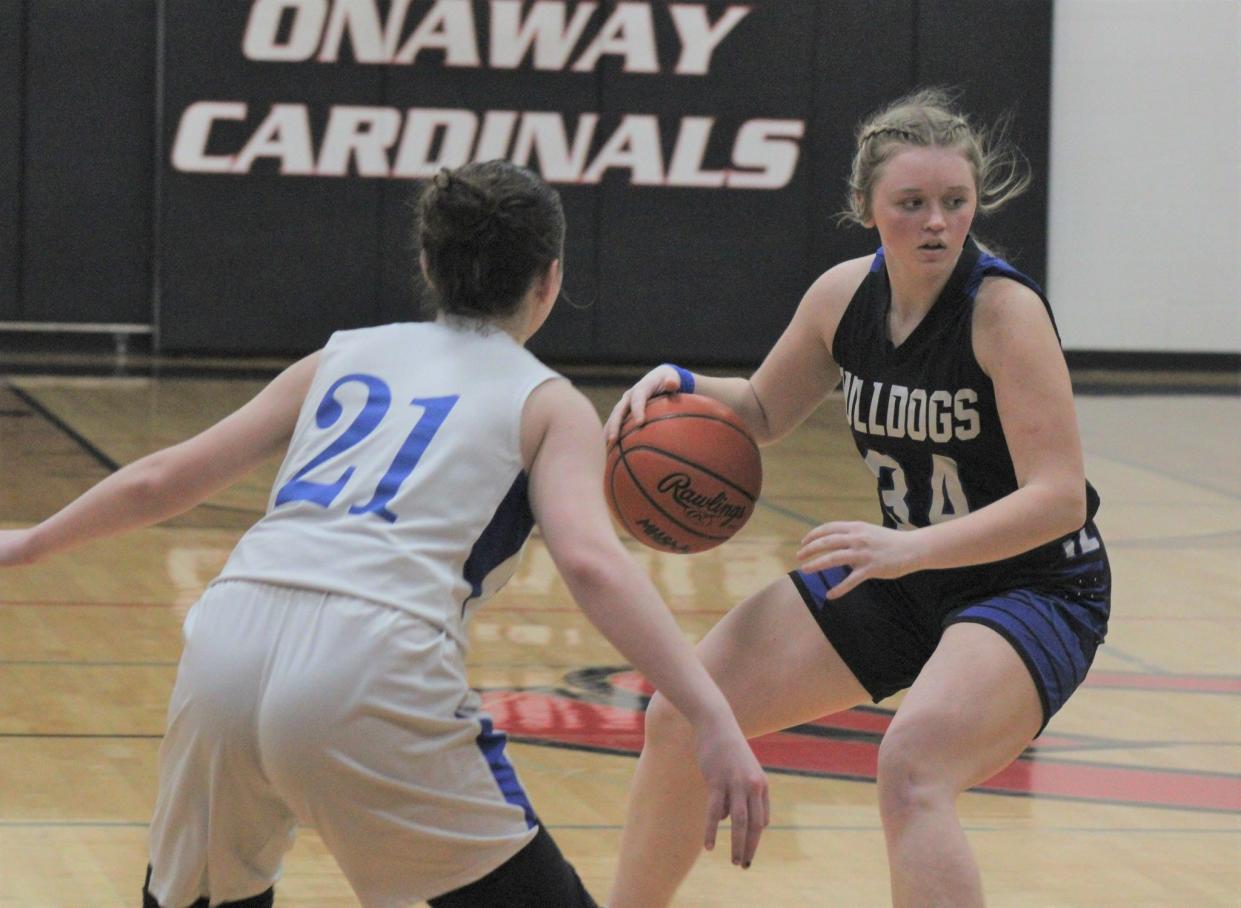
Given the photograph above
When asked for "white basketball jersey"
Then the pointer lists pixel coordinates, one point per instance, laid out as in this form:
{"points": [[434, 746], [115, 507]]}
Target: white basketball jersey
{"points": [[403, 481]]}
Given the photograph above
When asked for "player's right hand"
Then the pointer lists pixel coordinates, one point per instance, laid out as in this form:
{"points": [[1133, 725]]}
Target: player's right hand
{"points": [[660, 380], [736, 789]]}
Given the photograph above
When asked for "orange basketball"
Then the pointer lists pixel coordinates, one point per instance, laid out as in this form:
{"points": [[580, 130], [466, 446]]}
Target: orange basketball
{"points": [[688, 478]]}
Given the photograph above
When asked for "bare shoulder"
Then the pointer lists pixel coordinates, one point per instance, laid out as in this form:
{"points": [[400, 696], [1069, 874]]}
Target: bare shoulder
{"points": [[830, 294], [557, 406], [297, 378], [837, 284], [276, 407], [556, 396], [1008, 317]]}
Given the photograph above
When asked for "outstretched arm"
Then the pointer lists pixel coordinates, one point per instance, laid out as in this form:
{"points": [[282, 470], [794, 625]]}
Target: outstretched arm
{"points": [[561, 435], [173, 480]]}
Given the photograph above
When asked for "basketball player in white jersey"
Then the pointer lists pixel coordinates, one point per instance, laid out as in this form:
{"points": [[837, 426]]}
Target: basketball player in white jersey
{"points": [[323, 678]]}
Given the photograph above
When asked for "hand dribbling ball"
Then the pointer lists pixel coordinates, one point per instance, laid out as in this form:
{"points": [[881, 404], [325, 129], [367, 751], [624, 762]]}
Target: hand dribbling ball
{"points": [[688, 478]]}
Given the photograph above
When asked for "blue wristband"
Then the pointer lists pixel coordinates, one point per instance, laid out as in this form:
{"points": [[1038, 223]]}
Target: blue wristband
{"points": [[686, 377]]}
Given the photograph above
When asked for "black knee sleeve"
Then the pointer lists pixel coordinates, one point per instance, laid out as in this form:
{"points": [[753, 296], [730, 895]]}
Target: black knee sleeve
{"points": [[538, 876], [262, 900]]}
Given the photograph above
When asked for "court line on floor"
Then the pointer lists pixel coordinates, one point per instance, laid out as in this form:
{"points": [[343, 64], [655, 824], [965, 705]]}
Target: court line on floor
{"points": [[1112, 543], [1162, 682], [1166, 474], [77, 437], [862, 827], [998, 792], [73, 824], [1135, 661], [73, 736], [491, 609], [88, 663], [104, 663], [1015, 828], [98, 454]]}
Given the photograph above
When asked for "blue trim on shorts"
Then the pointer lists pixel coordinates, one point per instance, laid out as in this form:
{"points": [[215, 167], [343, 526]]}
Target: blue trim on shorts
{"points": [[1055, 635], [818, 584], [491, 743], [885, 630]]}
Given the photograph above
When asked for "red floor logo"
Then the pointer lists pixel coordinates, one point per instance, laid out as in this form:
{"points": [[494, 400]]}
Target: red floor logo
{"points": [[600, 709]]}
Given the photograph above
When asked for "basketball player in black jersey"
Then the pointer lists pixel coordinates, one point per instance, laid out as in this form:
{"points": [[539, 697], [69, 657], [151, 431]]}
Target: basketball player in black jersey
{"points": [[984, 592]]}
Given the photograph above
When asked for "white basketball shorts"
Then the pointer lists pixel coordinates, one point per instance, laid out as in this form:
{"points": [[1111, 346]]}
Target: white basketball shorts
{"points": [[298, 707]]}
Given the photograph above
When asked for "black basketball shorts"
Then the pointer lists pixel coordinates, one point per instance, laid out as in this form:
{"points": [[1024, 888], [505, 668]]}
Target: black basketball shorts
{"points": [[886, 630]]}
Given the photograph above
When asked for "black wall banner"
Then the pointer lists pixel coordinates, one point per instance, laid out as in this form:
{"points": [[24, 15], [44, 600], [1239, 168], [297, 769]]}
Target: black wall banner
{"points": [[11, 47], [1006, 68], [700, 147], [88, 141]]}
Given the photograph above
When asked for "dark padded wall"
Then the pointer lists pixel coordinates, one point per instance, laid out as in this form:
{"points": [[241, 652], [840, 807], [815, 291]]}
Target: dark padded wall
{"points": [[264, 261], [89, 135], [1008, 71], [709, 275], [11, 46], [706, 275], [848, 31]]}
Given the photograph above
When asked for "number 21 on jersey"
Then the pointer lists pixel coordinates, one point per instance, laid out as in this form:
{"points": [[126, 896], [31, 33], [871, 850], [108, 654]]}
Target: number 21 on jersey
{"points": [[378, 401]]}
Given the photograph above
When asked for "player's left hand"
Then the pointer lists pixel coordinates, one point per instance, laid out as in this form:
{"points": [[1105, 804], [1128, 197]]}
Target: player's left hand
{"points": [[736, 789], [869, 551]]}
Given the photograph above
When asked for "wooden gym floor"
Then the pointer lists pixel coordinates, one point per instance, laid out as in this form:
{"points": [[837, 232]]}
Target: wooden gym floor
{"points": [[1132, 798]]}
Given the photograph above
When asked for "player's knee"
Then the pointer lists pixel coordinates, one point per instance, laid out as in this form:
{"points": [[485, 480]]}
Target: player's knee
{"points": [[665, 726], [910, 780]]}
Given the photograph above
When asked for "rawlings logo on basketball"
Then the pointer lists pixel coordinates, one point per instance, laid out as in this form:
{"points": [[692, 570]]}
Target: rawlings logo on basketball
{"points": [[704, 511]]}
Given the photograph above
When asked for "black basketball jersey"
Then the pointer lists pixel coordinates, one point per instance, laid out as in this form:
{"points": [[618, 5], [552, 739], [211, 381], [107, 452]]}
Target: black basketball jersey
{"points": [[923, 414]]}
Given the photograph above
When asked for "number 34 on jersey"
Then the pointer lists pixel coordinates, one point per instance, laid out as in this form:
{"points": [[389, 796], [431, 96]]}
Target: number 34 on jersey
{"points": [[948, 499]]}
